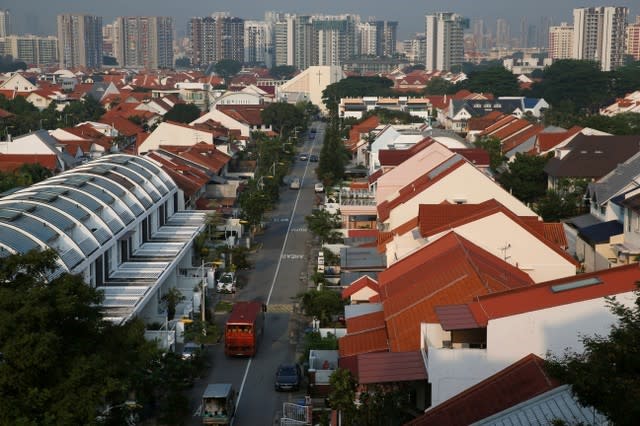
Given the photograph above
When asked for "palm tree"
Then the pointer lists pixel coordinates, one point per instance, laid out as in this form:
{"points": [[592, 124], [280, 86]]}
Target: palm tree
{"points": [[171, 299]]}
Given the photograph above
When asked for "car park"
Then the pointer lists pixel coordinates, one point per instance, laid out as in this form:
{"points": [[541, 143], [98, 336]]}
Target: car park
{"points": [[288, 377], [313, 158], [226, 283], [319, 187]]}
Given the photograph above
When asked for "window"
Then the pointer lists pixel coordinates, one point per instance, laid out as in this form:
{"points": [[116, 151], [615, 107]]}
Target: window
{"points": [[636, 223]]}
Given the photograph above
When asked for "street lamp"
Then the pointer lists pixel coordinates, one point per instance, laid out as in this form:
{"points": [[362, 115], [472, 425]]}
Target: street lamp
{"points": [[204, 287], [261, 181]]}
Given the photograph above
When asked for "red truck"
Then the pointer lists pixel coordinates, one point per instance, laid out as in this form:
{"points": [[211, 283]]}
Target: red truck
{"points": [[244, 328]]}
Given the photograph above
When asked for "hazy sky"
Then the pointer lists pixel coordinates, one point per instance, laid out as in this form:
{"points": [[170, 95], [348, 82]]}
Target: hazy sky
{"points": [[39, 16]]}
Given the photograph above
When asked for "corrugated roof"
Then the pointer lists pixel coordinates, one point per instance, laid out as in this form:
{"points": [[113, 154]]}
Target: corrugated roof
{"points": [[386, 367], [364, 322], [364, 342], [519, 382], [601, 232]]}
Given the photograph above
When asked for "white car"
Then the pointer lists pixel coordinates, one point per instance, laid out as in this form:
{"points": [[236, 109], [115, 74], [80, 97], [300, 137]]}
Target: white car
{"points": [[295, 183], [319, 187], [226, 283]]}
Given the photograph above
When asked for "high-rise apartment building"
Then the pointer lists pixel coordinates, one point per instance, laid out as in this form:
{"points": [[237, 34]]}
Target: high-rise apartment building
{"points": [[31, 49], [444, 47], [367, 33], [283, 30], [503, 34], [414, 49], [5, 23], [335, 39], [561, 41], [479, 34], [633, 39], [143, 42], [80, 41], [215, 38], [599, 35], [386, 38], [258, 43]]}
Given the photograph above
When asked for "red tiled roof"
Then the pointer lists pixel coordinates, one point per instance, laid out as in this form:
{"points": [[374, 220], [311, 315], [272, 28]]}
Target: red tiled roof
{"points": [[455, 317], [249, 114], [414, 188], [203, 154], [363, 342], [554, 232], [370, 321], [394, 157], [189, 179], [504, 121], [614, 281], [386, 367], [122, 125], [451, 270], [436, 218], [517, 383], [481, 123], [359, 284], [477, 156], [11, 162], [547, 141], [514, 141]]}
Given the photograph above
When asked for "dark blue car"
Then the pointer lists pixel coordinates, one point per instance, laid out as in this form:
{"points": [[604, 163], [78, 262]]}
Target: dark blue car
{"points": [[288, 377]]}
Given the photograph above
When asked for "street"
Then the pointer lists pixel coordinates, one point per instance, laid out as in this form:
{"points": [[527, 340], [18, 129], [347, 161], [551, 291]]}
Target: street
{"points": [[279, 272]]}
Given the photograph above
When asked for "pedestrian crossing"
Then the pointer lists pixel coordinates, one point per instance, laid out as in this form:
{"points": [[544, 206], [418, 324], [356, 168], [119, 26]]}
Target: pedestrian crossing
{"points": [[284, 308]]}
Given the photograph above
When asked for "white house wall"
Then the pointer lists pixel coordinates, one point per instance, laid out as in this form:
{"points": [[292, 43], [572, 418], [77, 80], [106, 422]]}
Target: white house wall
{"points": [[509, 339], [500, 236], [171, 134], [225, 120], [465, 183]]}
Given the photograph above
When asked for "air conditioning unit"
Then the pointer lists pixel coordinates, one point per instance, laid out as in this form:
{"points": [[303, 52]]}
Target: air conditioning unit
{"points": [[446, 344]]}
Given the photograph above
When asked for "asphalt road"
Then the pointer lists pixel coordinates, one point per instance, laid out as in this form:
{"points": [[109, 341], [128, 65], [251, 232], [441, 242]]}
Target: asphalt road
{"points": [[279, 272]]}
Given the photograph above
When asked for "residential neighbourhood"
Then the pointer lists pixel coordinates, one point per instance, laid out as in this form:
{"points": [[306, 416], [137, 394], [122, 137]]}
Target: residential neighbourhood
{"points": [[427, 244]]}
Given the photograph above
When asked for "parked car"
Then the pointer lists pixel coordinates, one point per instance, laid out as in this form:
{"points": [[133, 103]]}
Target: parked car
{"points": [[190, 350], [319, 187], [295, 183], [313, 158], [288, 377], [303, 157], [226, 283]]}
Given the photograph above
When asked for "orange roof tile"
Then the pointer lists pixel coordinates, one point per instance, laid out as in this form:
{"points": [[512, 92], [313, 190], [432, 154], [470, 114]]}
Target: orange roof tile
{"points": [[451, 270], [517, 383], [359, 284], [363, 342], [622, 279]]}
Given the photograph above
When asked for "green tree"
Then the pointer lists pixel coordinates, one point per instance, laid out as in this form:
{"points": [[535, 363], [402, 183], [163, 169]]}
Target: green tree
{"points": [[354, 87], [227, 68], [283, 118], [170, 300], [494, 147], [574, 86], [525, 177], [183, 113], [62, 362], [343, 394], [323, 224], [626, 79], [322, 304], [333, 156], [439, 86], [607, 372], [384, 405], [497, 80], [283, 72], [88, 109]]}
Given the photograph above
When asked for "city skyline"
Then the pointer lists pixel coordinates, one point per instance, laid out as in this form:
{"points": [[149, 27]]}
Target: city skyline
{"points": [[38, 16]]}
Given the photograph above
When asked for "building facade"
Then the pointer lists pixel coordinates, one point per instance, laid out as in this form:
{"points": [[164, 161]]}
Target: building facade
{"points": [[444, 42], [80, 41], [633, 40], [599, 35], [33, 50], [561, 41], [215, 38], [5, 23], [258, 43], [143, 42]]}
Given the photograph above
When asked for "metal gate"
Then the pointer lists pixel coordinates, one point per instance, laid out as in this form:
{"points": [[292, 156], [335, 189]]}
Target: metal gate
{"points": [[295, 414]]}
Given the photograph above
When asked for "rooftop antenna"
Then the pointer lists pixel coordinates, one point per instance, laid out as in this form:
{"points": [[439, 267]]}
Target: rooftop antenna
{"points": [[504, 249]]}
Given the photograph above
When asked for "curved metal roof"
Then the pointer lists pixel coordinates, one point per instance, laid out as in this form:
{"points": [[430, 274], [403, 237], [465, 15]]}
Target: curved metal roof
{"points": [[79, 211]]}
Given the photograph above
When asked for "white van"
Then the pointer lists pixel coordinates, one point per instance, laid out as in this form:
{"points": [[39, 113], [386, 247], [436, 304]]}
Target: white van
{"points": [[295, 183]]}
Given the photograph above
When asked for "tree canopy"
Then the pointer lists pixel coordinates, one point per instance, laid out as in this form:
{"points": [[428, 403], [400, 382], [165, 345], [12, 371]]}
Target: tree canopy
{"points": [[227, 68], [284, 117], [182, 113], [607, 373], [62, 361], [354, 87], [525, 178], [440, 86], [496, 80], [283, 72]]}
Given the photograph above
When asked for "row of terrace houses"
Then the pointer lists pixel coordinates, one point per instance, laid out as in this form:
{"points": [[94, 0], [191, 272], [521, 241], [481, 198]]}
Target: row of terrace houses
{"points": [[475, 288]]}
